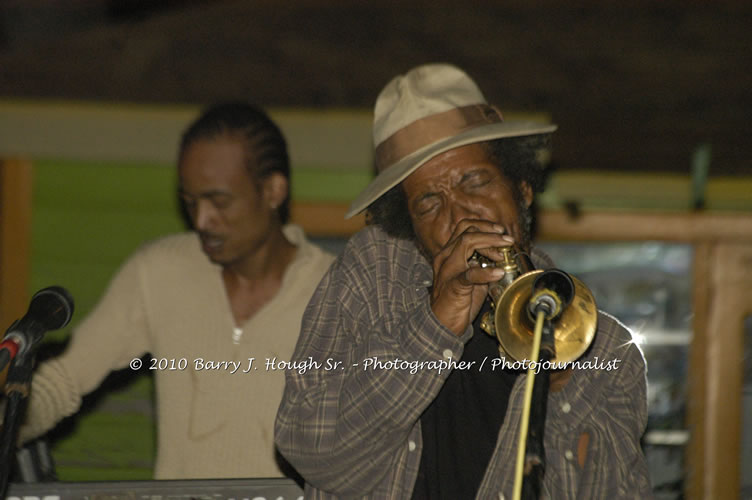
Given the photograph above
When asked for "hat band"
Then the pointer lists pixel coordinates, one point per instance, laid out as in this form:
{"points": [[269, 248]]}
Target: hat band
{"points": [[431, 129]]}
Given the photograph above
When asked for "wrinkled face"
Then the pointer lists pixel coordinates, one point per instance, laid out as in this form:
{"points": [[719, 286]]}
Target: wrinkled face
{"points": [[232, 212], [462, 183]]}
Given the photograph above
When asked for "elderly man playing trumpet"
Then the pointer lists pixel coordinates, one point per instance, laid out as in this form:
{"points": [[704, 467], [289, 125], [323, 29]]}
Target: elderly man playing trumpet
{"points": [[455, 182]]}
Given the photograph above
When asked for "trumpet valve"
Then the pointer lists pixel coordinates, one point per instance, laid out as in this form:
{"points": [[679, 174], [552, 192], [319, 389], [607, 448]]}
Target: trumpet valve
{"points": [[487, 323], [495, 290]]}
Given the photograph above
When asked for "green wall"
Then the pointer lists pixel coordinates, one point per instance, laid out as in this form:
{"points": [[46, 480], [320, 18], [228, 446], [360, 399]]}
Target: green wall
{"points": [[87, 218]]}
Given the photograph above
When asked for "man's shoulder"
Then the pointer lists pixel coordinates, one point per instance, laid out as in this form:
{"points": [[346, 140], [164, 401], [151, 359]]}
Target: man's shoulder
{"points": [[372, 255], [309, 252], [318, 256], [173, 242], [617, 332], [373, 240], [169, 249], [614, 338]]}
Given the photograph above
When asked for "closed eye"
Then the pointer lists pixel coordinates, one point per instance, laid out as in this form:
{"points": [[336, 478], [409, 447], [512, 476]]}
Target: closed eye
{"points": [[188, 201], [220, 200], [426, 203], [475, 179]]}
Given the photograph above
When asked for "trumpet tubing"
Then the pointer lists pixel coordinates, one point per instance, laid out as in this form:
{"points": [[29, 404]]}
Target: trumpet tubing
{"points": [[512, 322]]}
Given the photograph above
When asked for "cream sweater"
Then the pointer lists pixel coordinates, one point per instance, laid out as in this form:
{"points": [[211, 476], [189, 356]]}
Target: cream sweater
{"points": [[169, 300]]}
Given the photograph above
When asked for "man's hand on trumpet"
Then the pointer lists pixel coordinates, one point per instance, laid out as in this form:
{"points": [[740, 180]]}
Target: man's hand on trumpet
{"points": [[460, 284]]}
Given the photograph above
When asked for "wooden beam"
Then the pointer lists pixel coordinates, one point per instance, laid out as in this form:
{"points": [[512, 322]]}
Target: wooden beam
{"points": [[328, 219], [325, 219], [15, 236], [676, 227]]}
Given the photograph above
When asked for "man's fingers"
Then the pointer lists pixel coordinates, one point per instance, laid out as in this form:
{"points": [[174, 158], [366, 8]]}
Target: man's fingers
{"points": [[486, 244], [451, 262], [470, 235], [480, 276], [477, 225], [492, 253], [468, 226]]}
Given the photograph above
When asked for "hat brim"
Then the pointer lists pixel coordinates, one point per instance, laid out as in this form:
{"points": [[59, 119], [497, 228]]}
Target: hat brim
{"points": [[394, 174]]}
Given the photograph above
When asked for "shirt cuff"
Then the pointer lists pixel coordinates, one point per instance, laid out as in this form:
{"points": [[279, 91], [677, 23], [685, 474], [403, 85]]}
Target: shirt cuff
{"points": [[426, 338]]}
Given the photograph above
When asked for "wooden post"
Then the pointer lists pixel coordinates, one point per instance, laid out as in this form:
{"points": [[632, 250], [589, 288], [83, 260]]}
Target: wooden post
{"points": [[729, 302], [15, 238], [697, 390]]}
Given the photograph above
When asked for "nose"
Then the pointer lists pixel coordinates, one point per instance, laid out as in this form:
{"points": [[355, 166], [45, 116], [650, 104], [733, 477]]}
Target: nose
{"points": [[203, 215], [459, 209]]}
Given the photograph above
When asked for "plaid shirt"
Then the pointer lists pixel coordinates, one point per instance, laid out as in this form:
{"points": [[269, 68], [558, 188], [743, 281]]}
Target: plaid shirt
{"points": [[353, 429]]}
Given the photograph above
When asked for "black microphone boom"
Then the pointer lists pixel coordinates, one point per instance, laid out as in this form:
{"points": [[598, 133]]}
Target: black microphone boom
{"points": [[51, 308]]}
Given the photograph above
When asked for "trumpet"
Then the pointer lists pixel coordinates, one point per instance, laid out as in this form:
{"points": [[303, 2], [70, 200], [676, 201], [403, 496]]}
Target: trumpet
{"points": [[536, 315], [513, 298]]}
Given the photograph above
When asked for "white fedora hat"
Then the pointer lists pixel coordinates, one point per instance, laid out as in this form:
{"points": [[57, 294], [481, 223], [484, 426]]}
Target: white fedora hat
{"points": [[425, 112]]}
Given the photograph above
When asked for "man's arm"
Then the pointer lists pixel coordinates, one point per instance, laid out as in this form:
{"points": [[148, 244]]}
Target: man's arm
{"points": [[343, 428], [615, 465], [107, 339]]}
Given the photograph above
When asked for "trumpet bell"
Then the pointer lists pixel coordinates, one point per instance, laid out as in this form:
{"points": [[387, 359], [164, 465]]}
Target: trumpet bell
{"points": [[574, 330]]}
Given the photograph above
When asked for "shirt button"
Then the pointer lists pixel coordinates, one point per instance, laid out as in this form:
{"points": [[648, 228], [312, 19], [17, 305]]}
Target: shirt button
{"points": [[411, 445], [569, 455], [448, 353], [566, 407]]}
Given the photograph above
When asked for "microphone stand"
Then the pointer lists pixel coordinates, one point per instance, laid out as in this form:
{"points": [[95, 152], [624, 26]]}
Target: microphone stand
{"points": [[50, 308], [16, 389], [553, 292], [535, 455]]}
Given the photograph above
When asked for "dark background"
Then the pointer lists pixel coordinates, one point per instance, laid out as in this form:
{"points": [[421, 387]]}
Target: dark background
{"points": [[633, 88]]}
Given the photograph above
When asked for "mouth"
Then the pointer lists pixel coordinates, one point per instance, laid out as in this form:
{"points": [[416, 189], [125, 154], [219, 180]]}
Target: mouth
{"points": [[211, 244]]}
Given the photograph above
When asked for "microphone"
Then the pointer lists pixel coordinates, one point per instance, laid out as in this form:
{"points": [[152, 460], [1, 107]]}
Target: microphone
{"points": [[51, 308], [553, 291]]}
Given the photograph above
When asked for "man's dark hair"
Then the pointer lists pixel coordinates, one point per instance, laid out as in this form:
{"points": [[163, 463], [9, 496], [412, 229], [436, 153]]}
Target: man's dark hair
{"points": [[520, 159], [266, 149]]}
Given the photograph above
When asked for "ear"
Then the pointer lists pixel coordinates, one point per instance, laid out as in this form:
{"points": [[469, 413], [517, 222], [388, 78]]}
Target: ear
{"points": [[527, 193], [276, 189]]}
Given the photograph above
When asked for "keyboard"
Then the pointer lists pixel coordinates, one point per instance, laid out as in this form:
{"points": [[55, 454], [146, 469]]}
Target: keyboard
{"points": [[189, 489]]}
